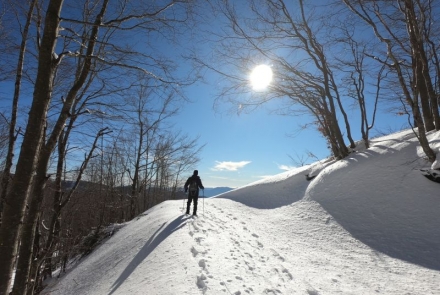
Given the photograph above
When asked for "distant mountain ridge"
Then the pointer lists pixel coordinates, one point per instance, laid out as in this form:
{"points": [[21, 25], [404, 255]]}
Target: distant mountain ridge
{"points": [[208, 191], [214, 191]]}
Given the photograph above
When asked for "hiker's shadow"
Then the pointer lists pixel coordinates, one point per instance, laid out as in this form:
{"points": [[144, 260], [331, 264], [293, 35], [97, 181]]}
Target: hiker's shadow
{"points": [[158, 237]]}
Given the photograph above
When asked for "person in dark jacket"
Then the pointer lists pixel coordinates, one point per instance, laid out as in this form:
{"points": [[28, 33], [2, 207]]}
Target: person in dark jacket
{"points": [[193, 182]]}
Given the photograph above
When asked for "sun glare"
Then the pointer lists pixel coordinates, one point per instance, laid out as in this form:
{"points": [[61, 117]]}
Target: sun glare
{"points": [[261, 77]]}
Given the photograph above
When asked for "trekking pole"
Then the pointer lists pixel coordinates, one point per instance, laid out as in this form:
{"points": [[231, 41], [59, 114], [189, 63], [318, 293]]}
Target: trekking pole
{"points": [[203, 202], [183, 206]]}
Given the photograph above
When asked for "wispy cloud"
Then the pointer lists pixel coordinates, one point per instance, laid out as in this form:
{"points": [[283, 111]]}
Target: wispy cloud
{"points": [[229, 166], [263, 176], [222, 178], [285, 167]]}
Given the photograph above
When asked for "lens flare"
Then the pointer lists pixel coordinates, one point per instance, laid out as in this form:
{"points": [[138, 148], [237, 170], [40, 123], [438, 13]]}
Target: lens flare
{"points": [[261, 77]]}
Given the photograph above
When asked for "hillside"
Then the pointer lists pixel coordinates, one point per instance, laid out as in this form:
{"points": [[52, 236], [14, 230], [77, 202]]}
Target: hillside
{"points": [[368, 224]]}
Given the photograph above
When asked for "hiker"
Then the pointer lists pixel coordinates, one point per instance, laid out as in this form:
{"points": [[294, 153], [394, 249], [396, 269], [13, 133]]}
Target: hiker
{"points": [[193, 184]]}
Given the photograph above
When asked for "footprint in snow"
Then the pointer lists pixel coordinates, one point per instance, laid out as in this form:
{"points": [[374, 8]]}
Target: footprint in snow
{"points": [[201, 283], [194, 252], [287, 273], [277, 255], [202, 263], [199, 240]]}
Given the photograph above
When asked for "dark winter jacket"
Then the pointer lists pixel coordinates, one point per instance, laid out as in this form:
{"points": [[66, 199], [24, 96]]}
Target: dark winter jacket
{"points": [[191, 179]]}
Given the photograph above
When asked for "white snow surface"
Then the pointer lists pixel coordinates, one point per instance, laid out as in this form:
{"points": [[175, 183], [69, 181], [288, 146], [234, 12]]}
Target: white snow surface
{"points": [[368, 224]]}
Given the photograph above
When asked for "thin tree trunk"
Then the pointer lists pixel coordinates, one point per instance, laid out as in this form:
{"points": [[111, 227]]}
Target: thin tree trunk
{"points": [[22, 283], [13, 123], [432, 96], [16, 198], [56, 205], [424, 143], [41, 107], [428, 99], [30, 224], [424, 101], [413, 102]]}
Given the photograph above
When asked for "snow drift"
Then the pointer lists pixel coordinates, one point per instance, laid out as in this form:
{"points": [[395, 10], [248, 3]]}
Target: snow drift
{"points": [[368, 224]]}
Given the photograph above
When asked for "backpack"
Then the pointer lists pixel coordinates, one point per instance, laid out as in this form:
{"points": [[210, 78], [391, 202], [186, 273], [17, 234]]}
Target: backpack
{"points": [[193, 188]]}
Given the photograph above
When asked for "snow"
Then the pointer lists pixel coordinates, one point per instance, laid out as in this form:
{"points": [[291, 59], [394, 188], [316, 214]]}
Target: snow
{"points": [[368, 224]]}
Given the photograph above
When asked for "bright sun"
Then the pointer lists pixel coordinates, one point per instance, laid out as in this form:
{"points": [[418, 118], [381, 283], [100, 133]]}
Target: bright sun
{"points": [[261, 77]]}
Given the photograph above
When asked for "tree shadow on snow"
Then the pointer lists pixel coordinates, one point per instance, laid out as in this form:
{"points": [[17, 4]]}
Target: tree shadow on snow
{"points": [[158, 237]]}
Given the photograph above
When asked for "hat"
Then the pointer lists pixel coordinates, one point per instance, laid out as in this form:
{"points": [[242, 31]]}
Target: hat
{"points": [[196, 172]]}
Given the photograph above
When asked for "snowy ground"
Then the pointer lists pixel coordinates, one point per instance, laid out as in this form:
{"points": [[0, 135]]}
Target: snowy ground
{"points": [[366, 225]]}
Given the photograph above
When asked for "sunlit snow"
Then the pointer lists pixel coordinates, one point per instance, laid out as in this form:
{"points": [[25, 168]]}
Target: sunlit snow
{"points": [[368, 224]]}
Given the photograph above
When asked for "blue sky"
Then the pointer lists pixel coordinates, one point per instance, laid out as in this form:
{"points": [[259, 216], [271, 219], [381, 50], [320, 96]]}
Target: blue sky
{"points": [[244, 148]]}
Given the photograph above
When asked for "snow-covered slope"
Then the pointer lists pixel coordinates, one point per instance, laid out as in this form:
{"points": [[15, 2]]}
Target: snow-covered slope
{"points": [[366, 225]]}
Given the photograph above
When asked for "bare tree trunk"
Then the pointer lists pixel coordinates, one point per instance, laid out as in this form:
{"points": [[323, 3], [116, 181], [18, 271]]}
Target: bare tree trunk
{"points": [[428, 97], [56, 207], [30, 224], [417, 66], [316, 51], [435, 100], [421, 134], [16, 198], [13, 123], [40, 179], [424, 101], [58, 204], [34, 136], [30, 175], [135, 180], [431, 95], [27, 248]]}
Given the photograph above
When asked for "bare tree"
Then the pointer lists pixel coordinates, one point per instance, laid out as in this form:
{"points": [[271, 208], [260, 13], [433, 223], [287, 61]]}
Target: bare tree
{"points": [[4, 138], [60, 199], [13, 212], [430, 34], [36, 150], [14, 109], [152, 106], [293, 39], [358, 74], [402, 29]]}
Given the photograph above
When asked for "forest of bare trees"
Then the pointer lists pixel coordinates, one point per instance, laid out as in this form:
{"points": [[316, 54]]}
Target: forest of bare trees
{"points": [[96, 147], [86, 133], [328, 56]]}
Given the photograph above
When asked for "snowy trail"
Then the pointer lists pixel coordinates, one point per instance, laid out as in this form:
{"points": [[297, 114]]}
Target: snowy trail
{"points": [[284, 235], [235, 249], [300, 249], [238, 251]]}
